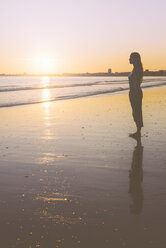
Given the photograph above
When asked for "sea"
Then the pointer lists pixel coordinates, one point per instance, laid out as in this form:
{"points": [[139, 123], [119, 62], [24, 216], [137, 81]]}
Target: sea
{"points": [[18, 90]]}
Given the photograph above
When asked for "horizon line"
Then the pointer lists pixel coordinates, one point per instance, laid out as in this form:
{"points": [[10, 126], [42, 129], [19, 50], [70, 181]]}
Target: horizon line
{"points": [[162, 72]]}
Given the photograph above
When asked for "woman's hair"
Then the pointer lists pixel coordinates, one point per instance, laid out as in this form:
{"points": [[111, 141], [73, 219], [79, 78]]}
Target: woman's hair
{"points": [[136, 61]]}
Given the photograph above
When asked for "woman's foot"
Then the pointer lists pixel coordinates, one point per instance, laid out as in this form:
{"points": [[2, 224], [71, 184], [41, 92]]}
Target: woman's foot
{"points": [[135, 135]]}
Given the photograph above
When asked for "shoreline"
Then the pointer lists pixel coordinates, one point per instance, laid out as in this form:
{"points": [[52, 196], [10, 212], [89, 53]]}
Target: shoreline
{"points": [[92, 95]]}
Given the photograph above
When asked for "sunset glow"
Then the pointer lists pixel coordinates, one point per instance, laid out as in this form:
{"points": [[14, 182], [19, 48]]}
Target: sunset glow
{"points": [[43, 64], [81, 36]]}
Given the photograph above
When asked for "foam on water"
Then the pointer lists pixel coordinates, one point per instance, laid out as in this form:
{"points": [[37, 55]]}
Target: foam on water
{"points": [[30, 90]]}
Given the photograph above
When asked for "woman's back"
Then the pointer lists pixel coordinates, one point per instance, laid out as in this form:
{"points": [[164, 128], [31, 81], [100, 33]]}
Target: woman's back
{"points": [[135, 80]]}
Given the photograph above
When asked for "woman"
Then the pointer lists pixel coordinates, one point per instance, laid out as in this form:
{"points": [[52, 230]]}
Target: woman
{"points": [[135, 93]]}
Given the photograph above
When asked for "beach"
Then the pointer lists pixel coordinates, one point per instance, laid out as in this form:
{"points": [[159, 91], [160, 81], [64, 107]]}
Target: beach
{"points": [[70, 175]]}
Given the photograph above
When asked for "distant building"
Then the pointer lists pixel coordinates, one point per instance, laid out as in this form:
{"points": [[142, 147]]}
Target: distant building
{"points": [[109, 71]]}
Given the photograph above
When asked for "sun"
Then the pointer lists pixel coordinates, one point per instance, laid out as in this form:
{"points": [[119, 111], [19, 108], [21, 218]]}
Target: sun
{"points": [[44, 65]]}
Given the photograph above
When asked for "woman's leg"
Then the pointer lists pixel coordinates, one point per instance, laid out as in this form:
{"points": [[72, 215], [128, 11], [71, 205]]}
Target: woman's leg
{"points": [[138, 130], [136, 104]]}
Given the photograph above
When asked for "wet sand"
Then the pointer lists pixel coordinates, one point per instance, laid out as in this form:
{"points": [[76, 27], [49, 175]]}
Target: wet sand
{"points": [[71, 177]]}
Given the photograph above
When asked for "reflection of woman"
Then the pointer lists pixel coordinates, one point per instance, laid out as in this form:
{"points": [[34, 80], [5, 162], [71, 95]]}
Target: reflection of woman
{"points": [[135, 94], [136, 178]]}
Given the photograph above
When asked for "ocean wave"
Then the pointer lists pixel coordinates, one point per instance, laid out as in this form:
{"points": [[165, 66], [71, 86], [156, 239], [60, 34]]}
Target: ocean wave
{"points": [[13, 88], [41, 87], [79, 95]]}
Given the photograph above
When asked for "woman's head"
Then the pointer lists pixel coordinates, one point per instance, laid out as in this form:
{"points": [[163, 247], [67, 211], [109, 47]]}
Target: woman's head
{"points": [[135, 59]]}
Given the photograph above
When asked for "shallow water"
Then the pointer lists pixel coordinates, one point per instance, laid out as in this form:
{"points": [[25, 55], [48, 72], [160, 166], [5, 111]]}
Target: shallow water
{"points": [[29, 90]]}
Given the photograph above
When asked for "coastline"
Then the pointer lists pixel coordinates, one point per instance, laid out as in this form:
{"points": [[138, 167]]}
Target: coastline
{"points": [[66, 173]]}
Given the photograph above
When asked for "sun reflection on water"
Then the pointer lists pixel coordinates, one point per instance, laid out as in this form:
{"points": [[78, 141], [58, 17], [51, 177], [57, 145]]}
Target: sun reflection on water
{"points": [[46, 95], [45, 81]]}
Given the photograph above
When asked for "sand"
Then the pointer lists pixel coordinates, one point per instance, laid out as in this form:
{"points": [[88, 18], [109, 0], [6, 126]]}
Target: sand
{"points": [[71, 177]]}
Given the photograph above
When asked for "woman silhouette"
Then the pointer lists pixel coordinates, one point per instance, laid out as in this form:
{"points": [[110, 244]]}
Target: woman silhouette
{"points": [[135, 93]]}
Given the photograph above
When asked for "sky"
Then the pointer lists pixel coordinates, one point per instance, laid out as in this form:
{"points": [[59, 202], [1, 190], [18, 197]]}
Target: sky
{"points": [[62, 36]]}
